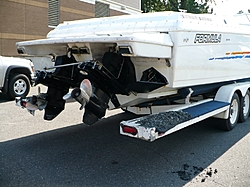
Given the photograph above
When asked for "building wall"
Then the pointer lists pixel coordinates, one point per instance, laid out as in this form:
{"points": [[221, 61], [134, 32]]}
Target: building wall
{"points": [[25, 23], [132, 3], [75, 9], [22, 20]]}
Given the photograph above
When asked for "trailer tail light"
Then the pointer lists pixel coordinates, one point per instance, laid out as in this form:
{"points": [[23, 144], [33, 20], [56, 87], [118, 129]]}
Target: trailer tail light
{"points": [[129, 130], [23, 104]]}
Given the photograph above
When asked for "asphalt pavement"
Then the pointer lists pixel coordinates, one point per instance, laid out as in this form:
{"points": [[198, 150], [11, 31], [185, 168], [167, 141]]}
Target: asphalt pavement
{"points": [[65, 152]]}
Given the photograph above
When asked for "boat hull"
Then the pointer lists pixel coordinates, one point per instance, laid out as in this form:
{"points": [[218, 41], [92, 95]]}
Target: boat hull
{"points": [[136, 59], [187, 49]]}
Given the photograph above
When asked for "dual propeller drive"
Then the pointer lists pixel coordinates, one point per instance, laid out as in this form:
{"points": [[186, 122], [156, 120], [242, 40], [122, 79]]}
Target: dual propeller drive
{"points": [[39, 102]]}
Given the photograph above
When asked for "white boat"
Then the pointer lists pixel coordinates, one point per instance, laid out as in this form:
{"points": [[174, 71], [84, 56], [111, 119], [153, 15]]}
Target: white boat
{"points": [[137, 61]]}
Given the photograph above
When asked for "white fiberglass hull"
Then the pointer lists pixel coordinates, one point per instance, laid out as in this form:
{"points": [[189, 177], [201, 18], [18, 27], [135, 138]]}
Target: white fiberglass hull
{"points": [[187, 49], [206, 63], [142, 63]]}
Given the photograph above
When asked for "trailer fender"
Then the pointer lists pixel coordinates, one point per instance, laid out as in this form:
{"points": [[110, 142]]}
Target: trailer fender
{"points": [[225, 94]]}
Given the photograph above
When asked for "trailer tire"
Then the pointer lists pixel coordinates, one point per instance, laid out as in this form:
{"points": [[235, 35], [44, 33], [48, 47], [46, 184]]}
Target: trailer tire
{"points": [[234, 113], [244, 107]]}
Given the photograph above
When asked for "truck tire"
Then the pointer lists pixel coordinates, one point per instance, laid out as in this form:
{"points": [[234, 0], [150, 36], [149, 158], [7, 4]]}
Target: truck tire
{"points": [[244, 107], [19, 86], [234, 113]]}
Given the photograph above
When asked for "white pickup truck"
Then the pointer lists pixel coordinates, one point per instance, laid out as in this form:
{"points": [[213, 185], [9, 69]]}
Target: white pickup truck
{"points": [[16, 76]]}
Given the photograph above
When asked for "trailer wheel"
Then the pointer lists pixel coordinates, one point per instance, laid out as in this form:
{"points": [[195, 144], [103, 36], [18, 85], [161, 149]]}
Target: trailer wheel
{"points": [[234, 113], [244, 107]]}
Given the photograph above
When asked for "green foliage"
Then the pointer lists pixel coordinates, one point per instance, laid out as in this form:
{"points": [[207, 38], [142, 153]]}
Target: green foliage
{"points": [[174, 5], [241, 11], [153, 5]]}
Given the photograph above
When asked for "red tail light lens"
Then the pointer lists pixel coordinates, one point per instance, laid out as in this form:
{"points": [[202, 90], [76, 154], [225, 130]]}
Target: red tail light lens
{"points": [[23, 104], [130, 130]]}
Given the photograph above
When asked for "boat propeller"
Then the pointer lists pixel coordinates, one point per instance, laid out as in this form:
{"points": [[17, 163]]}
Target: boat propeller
{"points": [[38, 102]]}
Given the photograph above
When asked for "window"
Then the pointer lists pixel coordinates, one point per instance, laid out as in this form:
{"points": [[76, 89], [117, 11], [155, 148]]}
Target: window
{"points": [[53, 13], [101, 9]]}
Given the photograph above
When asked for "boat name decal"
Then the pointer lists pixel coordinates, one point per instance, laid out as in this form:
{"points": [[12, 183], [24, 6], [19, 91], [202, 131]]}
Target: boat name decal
{"points": [[207, 38]]}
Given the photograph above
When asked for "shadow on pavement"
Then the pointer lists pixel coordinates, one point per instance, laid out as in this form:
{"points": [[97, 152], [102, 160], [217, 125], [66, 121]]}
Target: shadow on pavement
{"points": [[3, 98], [99, 156]]}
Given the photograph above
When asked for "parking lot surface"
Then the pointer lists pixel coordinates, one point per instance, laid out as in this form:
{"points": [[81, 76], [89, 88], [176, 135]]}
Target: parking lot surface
{"points": [[65, 152]]}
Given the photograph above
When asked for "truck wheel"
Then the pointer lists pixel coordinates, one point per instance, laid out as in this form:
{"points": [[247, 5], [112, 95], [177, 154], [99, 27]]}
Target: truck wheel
{"points": [[234, 112], [244, 107], [19, 86]]}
